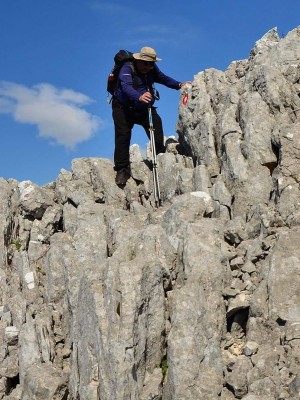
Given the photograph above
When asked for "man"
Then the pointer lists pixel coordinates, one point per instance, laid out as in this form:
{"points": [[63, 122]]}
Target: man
{"points": [[134, 94]]}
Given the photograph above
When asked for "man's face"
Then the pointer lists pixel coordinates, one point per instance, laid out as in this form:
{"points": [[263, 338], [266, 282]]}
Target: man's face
{"points": [[144, 66]]}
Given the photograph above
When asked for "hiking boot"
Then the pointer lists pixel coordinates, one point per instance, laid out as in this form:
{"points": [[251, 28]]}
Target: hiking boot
{"points": [[122, 176]]}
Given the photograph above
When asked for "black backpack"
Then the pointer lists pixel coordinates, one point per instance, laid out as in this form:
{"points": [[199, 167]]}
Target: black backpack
{"points": [[121, 57]]}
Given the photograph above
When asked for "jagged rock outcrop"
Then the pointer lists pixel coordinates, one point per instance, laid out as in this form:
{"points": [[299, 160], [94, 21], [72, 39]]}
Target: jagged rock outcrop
{"points": [[104, 296]]}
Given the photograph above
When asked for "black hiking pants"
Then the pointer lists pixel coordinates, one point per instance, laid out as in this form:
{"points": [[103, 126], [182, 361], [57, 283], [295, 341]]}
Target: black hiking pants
{"points": [[124, 120]]}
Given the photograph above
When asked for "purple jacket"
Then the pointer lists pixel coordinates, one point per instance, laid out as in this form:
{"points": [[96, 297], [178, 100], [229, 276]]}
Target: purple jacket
{"points": [[127, 95]]}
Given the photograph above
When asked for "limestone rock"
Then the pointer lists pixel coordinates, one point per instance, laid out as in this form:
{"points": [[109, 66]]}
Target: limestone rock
{"points": [[44, 382]]}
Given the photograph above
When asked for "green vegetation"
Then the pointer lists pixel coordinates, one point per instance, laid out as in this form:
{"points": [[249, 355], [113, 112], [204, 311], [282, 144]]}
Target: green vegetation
{"points": [[164, 367], [17, 243]]}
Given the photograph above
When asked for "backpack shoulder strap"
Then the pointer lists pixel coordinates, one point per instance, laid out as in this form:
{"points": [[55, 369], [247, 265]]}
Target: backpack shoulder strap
{"points": [[134, 75]]}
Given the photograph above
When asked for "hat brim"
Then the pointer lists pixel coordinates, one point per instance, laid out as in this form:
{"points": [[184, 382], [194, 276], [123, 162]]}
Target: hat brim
{"points": [[138, 56]]}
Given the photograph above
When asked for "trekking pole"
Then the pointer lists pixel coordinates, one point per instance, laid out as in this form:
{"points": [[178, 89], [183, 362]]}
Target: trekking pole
{"points": [[154, 163]]}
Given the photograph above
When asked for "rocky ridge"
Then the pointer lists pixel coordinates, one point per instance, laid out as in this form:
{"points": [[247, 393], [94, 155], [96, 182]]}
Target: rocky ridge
{"points": [[104, 296]]}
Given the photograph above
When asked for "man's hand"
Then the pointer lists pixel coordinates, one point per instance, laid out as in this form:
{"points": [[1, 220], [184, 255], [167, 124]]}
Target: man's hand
{"points": [[185, 83], [145, 97]]}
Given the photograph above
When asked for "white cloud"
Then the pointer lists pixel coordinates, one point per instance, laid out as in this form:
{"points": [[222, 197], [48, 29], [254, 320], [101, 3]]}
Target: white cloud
{"points": [[57, 113]]}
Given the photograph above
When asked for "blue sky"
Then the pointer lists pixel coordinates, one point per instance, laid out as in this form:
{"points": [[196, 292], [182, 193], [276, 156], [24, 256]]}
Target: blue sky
{"points": [[55, 56]]}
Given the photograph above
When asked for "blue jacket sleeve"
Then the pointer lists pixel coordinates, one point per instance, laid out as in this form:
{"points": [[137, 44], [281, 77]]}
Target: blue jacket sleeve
{"points": [[165, 80], [126, 82]]}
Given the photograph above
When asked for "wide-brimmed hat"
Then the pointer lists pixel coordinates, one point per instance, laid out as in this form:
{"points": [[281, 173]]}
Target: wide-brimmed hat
{"points": [[147, 54]]}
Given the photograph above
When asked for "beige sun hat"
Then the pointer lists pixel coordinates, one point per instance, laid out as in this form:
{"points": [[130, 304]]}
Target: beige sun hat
{"points": [[147, 54]]}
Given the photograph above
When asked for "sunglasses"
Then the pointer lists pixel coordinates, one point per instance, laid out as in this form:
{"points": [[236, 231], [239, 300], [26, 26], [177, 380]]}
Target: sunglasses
{"points": [[150, 63]]}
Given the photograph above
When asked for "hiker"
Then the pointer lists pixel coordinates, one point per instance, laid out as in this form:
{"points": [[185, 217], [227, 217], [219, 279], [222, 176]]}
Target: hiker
{"points": [[134, 94]]}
